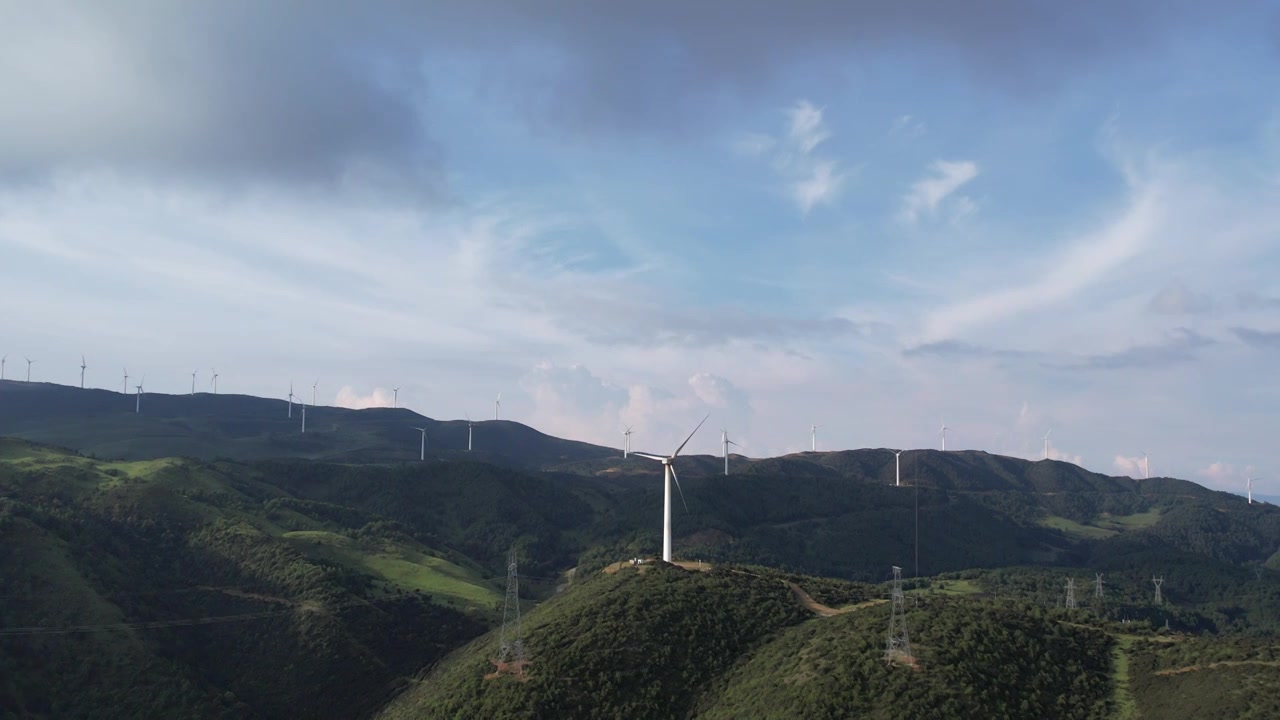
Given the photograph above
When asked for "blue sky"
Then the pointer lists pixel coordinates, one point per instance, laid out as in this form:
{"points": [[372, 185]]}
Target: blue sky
{"points": [[874, 217]]}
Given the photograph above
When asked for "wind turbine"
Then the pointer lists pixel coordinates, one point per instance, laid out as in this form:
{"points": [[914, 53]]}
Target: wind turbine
{"points": [[29, 362], [2, 359], [669, 472], [1146, 466], [313, 392], [83, 367], [304, 419], [1046, 444], [626, 442], [497, 407], [423, 452], [725, 442], [215, 380], [943, 432], [1250, 486], [897, 468], [395, 398], [813, 437], [124, 387], [290, 398], [468, 432], [138, 408], [193, 381]]}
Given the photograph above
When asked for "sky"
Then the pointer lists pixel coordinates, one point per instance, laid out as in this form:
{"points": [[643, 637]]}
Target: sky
{"points": [[1008, 217]]}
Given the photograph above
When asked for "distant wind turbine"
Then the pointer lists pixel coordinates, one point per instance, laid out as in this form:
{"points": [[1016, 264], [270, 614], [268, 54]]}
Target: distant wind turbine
{"points": [[304, 419], [422, 455], [813, 437], [214, 382], [1046, 444], [290, 398], [2, 359], [468, 432], [1146, 466], [193, 381], [395, 398], [626, 442], [497, 407], [83, 367], [1250, 488], [29, 362], [124, 387], [138, 408], [943, 432], [897, 468], [669, 472], [725, 442], [313, 392]]}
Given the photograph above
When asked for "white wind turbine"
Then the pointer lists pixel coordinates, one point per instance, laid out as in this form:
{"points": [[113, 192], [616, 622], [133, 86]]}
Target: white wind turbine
{"points": [[1250, 488], [193, 381], [943, 432], [313, 392], [395, 398], [1146, 466], [304, 419], [669, 472], [468, 432], [290, 398], [897, 468], [422, 454], [813, 437], [214, 382], [83, 367], [2, 359], [138, 408], [29, 362], [1046, 444], [497, 407], [725, 442], [626, 442], [124, 387]]}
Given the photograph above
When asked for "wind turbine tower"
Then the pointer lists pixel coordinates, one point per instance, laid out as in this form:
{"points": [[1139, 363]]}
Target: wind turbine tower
{"points": [[304, 419], [215, 381], [290, 398], [943, 433], [138, 408], [468, 432], [29, 362], [2, 359], [1046, 444], [313, 392], [124, 386], [193, 381], [497, 407], [395, 397], [1250, 488], [626, 442], [1146, 466], [669, 472], [725, 442], [83, 367], [813, 437], [897, 468], [422, 454]]}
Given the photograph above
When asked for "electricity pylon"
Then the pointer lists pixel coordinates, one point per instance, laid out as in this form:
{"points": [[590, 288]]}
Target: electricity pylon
{"points": [[1158, 582], [1097, 588], [1071, 593], [898, 648], [511, 657]]}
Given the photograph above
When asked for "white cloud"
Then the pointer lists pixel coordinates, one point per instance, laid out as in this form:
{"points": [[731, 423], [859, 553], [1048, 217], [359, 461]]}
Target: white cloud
{"points": [[928, 193], [1177, 298], [1083, 262], [907, 126], [811, 180], [1130, 466], [349, 397]]}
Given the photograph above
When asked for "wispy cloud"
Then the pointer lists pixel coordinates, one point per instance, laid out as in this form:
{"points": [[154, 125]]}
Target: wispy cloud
{"points": [[1179, 346], [812, 179], [1258, 338], [1177, 298], [907, 126], [927, 194]]}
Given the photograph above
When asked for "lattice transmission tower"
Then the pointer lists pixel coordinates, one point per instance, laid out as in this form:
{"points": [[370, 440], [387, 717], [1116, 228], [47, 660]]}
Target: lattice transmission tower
{"points": [[1097, 587], [1071, 593], [898, 647], [1158, 582], [511, 658]]}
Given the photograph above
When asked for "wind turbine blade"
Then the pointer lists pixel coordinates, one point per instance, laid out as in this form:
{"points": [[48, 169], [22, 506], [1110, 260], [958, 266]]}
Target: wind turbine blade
{"points": [[686, 440], [676, 477], [659, 458]]}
